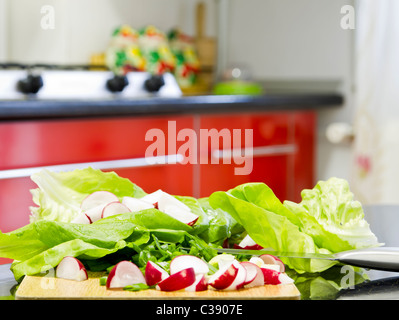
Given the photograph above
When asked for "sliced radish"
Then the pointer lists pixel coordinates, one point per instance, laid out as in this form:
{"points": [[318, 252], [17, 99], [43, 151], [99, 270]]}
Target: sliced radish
{"points": [[200, 284], [154, 273], [114, 208], [258, 261], [152, 197], [71, 268], [82, 218], [224, 277], [248, 243], [271, 276], [123, 274], [177, 281], [97, 198], [284, 279], [258, 279], [252, 271], [171, 206], [95, 213], [240, 278], [187, 261], [270, 259], [135, 204], [274, 267]]}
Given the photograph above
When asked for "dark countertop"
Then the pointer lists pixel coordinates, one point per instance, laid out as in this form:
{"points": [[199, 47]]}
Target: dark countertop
{"points": [[32, 109]]}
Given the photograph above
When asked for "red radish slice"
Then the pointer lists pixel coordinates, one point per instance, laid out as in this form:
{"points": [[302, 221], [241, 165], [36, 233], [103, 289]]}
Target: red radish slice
{"points": [[258, 280], [152, 197], [123, 274], [135, 204], [82, 218], [200, 284], [71, 268], [252, 271], [95, 213], [97, 198], [114, 208], [224, 277], [269, 259], [284, 279], [187, 261], [248, 243], [271, 276], [154, 273], [239, 280], [178, 281], [171, 206], [274, 267]]}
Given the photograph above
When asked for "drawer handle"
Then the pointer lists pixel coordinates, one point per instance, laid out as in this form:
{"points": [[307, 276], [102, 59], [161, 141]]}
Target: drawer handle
{"points": [[102, 165], [275, 150]]}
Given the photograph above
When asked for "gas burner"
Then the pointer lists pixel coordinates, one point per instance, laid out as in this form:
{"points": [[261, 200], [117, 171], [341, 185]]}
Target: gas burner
{"points": [[45, 81]]}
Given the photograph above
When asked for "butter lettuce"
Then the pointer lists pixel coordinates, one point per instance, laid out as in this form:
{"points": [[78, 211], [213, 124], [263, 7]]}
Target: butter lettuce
{"points": [[331, 208], [328, 220]]}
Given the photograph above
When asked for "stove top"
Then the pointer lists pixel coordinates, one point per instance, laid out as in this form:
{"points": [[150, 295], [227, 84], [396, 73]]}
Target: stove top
{"points": [[19, 82]]}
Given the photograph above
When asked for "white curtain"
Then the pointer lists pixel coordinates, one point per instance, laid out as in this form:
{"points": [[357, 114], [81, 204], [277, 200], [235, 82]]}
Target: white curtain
{"points": [[376, 127]]}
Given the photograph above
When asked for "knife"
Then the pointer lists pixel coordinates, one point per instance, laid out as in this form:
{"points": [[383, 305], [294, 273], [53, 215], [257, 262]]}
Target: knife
{"points": [[379, 258]]}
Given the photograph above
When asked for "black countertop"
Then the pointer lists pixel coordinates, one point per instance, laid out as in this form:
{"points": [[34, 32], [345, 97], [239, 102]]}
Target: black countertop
{"points": [[33, 109]]}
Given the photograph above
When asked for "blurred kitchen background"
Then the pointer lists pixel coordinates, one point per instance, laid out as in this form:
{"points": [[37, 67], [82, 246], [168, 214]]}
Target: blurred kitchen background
{"points": [[274, 46]]}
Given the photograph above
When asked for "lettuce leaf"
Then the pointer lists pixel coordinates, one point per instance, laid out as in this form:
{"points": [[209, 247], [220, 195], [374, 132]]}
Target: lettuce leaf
{"points": [[327, 220], [59, 194], [336, 218]]}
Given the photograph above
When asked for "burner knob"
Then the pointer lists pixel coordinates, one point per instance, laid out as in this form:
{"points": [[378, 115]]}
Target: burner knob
{"points": [[154, 83], [117, 83], [31, 85]]}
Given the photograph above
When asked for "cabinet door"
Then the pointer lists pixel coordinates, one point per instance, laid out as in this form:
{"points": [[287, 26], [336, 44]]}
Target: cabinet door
{"points": [[35, 144], [281, 143]]}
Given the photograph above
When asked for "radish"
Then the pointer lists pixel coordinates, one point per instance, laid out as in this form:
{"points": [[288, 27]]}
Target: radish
{"points": [[82, 218], [200, 284], [71, 268], [271, 276], [177, 281], [123, 274], [186, 261], [114, 208], [97, 198], [269, 259], [171, 206], [252, 271], [240, 278], [154, 273], [224, 277], [274, 267], [135, 204], [95, 213], [258, 279], [248, 243], [275, 277], [152, 197]]}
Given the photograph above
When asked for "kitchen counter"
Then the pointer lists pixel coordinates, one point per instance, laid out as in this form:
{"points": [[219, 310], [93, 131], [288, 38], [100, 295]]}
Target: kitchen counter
{"points": [[32, 109], [380, 286]]}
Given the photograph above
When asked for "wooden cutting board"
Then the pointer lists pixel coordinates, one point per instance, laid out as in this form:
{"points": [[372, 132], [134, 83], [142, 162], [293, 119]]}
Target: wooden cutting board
{"points": [[45, 287]]}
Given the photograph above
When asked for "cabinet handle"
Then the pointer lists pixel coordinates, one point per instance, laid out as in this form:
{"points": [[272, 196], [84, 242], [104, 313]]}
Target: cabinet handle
{"points": [[102, 165], [276, 150]]}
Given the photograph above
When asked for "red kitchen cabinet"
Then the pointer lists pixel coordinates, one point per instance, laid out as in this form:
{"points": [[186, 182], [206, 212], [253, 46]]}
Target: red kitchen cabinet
{"points": [[35, 144], [283, 153]]}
